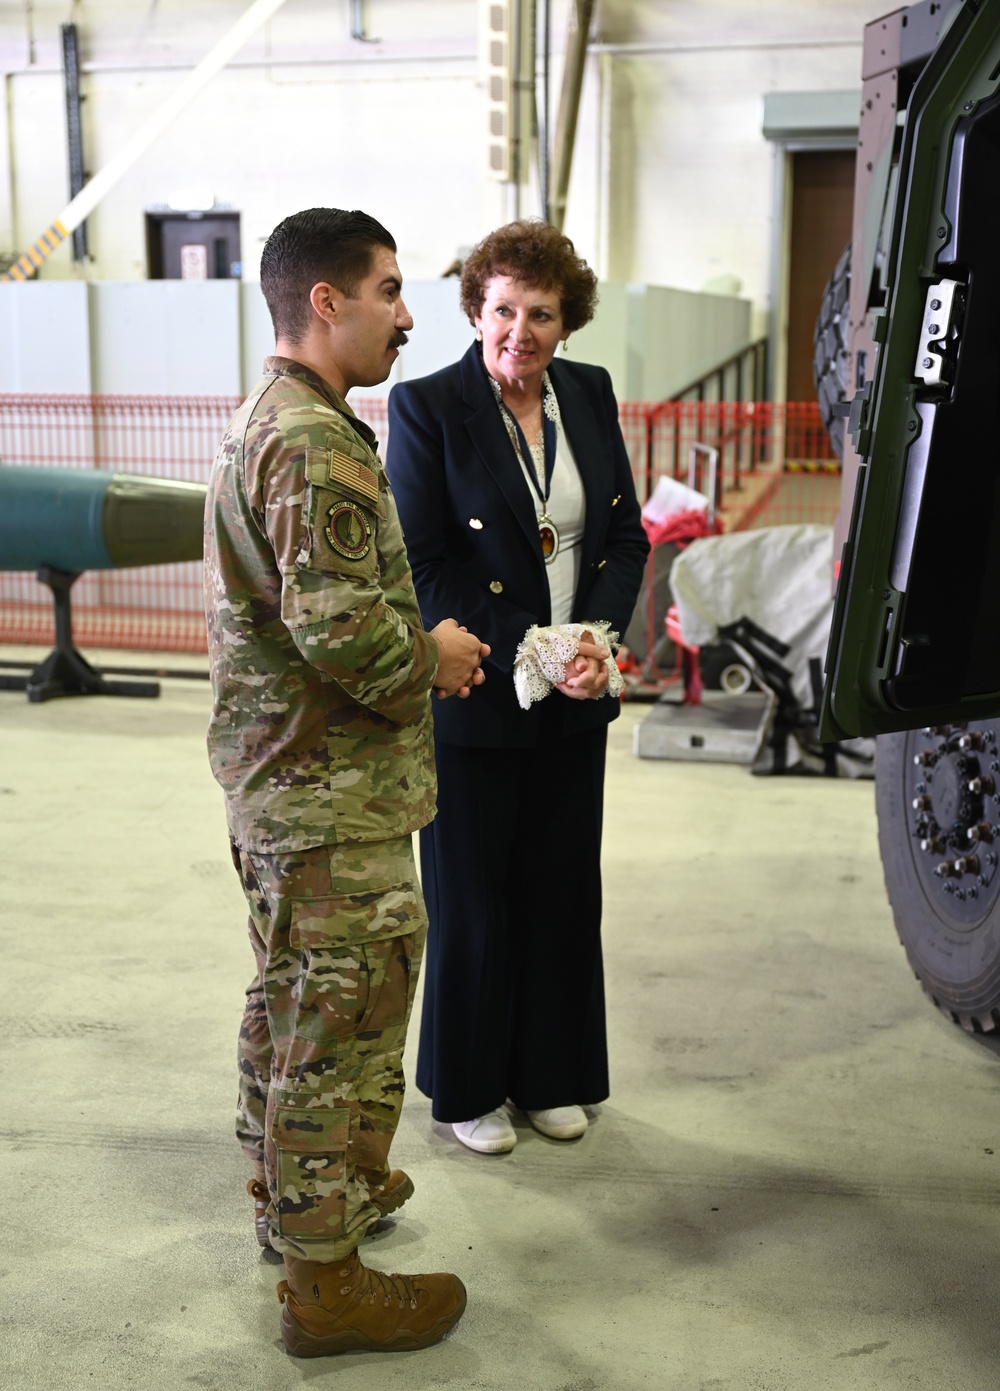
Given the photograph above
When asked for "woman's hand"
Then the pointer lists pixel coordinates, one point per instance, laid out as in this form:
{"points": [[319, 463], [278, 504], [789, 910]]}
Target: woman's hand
{"points": [[586, 675]]}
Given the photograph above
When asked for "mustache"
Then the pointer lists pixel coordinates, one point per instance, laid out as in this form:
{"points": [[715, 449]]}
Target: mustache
{"points": [[398, 339]]}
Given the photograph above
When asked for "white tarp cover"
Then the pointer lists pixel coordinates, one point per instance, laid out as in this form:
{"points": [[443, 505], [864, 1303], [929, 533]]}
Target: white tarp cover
{"points": [[780, 577]]}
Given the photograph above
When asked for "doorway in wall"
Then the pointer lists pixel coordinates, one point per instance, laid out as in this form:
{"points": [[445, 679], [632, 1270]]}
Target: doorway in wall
{"points": [[193, 246], [822, 208]]}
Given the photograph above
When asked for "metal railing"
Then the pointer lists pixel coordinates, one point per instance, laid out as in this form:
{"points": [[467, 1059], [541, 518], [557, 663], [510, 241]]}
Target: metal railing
{"points": [[748, 435], [742, 377], [741, 380]]}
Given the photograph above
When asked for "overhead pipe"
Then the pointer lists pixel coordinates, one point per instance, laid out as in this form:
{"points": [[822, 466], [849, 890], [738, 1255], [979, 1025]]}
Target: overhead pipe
{"points": [[545, 142], [521, 37], [74, 128], [581, 13], [92, 193]]}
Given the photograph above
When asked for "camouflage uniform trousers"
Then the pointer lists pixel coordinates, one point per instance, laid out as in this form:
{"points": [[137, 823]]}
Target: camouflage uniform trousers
{"points": [[338, 934]]}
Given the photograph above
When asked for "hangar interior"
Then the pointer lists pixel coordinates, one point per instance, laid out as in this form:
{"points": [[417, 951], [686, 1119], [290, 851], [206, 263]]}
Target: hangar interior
{"points": [[791, 1184]]}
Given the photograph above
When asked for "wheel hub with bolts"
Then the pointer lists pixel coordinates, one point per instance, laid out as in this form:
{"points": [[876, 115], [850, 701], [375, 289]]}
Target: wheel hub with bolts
{"points": [[953, 788]]}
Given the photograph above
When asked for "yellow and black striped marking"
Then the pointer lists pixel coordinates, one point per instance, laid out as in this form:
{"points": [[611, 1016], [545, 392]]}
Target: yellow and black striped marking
{"points": [[812, 466], [25, 266]]}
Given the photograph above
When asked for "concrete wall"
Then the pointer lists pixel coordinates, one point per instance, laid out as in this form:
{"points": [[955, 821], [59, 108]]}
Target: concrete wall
{"points": [[673, 178], [45, 338], [209, 338], [655, 341]]}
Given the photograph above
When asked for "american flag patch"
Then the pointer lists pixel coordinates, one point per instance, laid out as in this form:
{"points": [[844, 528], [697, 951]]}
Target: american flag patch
{"points": [[353, 475]]}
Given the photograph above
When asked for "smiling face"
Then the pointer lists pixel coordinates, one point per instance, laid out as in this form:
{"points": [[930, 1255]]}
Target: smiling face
{"points": [[371, 325], [521, 327]]}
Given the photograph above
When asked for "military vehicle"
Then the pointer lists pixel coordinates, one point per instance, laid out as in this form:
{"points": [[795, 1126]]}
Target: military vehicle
{"points": [[914, 654]]}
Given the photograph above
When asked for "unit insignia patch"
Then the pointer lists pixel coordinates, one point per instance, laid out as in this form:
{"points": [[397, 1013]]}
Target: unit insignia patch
{"points": [[348, 531]]}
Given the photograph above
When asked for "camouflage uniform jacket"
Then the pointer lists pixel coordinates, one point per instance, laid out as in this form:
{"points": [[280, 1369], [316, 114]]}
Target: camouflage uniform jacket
{"points": [[321, 728]]}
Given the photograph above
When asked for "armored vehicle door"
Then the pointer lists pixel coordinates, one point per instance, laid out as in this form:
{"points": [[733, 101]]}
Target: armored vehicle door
{"points": [[916, 627]]}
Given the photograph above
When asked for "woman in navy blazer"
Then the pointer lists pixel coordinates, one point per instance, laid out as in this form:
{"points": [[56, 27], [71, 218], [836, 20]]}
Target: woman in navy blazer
{"points": [[518, 507]]}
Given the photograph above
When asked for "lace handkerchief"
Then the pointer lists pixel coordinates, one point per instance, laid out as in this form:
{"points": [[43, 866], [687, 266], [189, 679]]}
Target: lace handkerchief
{"points": [[541, 659]]}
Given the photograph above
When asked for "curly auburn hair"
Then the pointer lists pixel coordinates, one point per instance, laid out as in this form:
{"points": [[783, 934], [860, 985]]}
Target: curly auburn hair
{"points": [[536, 254]]}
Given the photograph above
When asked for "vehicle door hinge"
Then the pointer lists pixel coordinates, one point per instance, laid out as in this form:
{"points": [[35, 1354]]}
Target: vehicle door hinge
{"points": [[937, 350]]}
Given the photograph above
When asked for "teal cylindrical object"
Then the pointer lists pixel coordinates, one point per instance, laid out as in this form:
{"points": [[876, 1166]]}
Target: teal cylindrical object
{"points": [[53, 517], [80, 519]]}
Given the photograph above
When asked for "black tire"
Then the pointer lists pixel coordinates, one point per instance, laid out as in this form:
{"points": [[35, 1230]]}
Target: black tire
{"points": [[830, 350], [932, 787]]}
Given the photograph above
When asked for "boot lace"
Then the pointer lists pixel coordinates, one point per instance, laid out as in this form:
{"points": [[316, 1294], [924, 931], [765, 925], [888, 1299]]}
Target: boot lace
{"points": [[386, 1287]]}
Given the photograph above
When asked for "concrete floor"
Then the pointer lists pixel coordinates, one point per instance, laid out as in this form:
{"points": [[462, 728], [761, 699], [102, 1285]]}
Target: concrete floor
{"points": [[793, 1185]]}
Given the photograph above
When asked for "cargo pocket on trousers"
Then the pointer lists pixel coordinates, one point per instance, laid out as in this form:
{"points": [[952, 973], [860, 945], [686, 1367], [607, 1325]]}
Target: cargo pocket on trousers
{"points": [[360, 948], [311, 1144]]}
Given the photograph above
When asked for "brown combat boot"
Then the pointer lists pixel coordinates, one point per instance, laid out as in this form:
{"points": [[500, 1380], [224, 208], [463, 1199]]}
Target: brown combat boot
{"points": [[391, 1195], [345, 1307]]}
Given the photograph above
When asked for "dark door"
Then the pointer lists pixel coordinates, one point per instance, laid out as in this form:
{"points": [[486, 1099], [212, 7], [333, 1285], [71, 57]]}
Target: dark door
{"points": [[822, 207], [193, 246]]}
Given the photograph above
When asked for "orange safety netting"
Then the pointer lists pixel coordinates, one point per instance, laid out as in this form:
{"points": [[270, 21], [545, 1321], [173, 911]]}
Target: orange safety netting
{"points": [[775, 465]]}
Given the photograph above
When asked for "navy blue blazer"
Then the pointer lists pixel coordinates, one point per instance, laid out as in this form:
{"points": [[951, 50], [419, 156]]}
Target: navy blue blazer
{"points": [[471, 532]]}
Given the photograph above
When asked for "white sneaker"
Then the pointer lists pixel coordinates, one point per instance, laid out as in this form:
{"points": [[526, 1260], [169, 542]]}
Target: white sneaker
{"points": [[489, 1134], [560, 1122]]}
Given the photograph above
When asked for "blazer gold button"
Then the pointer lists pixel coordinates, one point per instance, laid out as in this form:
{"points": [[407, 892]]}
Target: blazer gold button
{"points": [[475, 523], [601, 564], [496, 587], [616, 500]]}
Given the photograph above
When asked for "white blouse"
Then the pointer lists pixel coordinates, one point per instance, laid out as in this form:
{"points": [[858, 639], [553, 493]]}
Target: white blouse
{"points": [[567, 508], [566, 505]]}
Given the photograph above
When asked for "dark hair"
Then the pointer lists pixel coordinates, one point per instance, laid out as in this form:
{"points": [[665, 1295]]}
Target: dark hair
{"points": [[319, 244], [535, 254]]}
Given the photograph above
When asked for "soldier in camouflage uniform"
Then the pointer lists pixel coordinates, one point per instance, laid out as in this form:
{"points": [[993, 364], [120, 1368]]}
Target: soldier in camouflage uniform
{"points": [[321, 739]]}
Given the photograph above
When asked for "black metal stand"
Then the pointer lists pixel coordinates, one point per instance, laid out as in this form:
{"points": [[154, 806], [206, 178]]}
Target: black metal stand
{"points": [[65, 671]]}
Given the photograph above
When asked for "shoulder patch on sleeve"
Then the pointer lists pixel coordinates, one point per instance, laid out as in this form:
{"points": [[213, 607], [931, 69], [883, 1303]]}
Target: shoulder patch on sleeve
{"points": [[336, 469], [348, 530], [350, 473]]}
